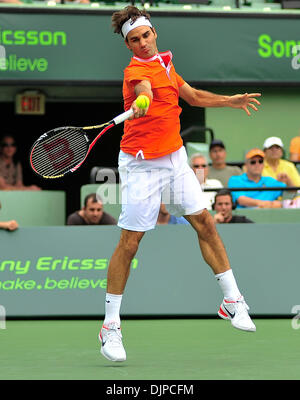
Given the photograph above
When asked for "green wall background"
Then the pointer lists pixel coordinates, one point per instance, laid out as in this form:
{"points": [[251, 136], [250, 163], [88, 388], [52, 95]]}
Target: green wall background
{"points": [[33, 208], [279, 115]]}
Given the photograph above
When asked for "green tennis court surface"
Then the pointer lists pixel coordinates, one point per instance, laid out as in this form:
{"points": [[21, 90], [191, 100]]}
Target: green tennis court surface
{"points": [[156, 350]]}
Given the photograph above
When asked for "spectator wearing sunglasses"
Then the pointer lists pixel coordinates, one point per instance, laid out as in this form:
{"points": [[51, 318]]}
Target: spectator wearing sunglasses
{"points": [[282, 170], [199, 164], [11, 176], [253, 178]]}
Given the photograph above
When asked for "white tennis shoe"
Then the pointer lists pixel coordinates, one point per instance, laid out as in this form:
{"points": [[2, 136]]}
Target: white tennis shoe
{"points": [[237, 313], [110, 337]]}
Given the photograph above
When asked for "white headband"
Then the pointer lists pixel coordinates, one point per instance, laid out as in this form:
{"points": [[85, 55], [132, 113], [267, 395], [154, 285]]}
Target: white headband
{"points": [[129, 25]]}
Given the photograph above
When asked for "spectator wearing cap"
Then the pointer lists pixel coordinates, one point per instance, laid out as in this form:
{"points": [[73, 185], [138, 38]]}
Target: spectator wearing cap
{"points": [[219, 169], [282, 170], [253, 179], [199, 164]]}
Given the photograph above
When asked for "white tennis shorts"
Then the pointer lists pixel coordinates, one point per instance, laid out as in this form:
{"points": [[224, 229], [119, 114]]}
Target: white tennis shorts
{"points": [[147, 183]]}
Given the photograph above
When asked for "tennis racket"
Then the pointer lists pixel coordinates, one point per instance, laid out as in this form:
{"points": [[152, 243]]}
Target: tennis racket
{"points": [[63, 150]]}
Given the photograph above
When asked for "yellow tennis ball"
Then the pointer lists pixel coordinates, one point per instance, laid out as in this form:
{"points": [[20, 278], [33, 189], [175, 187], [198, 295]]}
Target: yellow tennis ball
{"points": [[142, 101]]}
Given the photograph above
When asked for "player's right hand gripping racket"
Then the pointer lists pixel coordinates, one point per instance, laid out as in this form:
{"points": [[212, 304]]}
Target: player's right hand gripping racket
{"points": [[63, 150]]}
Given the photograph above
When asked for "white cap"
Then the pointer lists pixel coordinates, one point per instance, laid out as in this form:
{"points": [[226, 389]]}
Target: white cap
{"points": [[129, 25], [271, 141]]}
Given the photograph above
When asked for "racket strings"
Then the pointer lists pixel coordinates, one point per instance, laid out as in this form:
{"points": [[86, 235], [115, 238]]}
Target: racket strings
{"points": [[45, 169], [60, 152], [51, 138], [40, 148], [64, 166]]}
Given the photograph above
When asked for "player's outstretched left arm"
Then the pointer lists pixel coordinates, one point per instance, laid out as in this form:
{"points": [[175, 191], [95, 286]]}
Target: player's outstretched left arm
{"points": [[202, 98]]}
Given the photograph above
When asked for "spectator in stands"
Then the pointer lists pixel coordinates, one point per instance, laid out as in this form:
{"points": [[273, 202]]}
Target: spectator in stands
{"points": [[11, 1], [91, 213], [164, 217], [75, 1], [11, 176], [9, 225], [223, 206], [219, 169], [199, 164], [295, 149], [253, 179], [282, 170]]}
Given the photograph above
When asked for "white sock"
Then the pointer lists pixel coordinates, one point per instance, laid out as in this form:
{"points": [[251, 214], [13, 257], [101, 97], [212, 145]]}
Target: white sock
{"points": [[112, 308], [228, 285]]}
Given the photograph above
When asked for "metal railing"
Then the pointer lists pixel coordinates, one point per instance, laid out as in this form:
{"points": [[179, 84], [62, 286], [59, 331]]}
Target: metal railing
{"points": [[255, 189]]}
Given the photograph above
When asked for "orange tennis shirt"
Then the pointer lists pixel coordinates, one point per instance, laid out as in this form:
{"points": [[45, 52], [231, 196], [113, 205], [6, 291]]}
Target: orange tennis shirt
{"points": [[158, 133]]}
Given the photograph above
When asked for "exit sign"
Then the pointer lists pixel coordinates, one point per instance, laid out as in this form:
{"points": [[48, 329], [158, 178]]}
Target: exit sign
{"points": [[30, 103]]}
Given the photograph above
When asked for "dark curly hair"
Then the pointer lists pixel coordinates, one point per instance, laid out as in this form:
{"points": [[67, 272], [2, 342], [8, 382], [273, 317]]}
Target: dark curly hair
{"points": [[224, 192], [120, 17]]}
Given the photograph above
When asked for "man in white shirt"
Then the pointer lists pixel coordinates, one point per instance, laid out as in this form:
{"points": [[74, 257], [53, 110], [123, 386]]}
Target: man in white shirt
{"points": [[199, 164]]}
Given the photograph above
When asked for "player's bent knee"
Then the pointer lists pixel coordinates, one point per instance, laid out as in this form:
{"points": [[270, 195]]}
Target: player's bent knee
{"points": [[200, 220], [203, 224]]}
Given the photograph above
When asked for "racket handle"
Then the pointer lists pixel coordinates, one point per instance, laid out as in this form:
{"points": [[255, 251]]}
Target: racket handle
{"points": [[122, 117]]}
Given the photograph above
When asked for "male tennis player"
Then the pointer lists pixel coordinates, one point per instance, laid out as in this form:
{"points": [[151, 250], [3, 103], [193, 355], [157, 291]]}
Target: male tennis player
{"points": [[153, 144]]}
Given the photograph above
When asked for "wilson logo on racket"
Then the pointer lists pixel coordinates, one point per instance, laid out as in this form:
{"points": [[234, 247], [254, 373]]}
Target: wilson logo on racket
{"points": [[63, 150], [59, 152]]}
